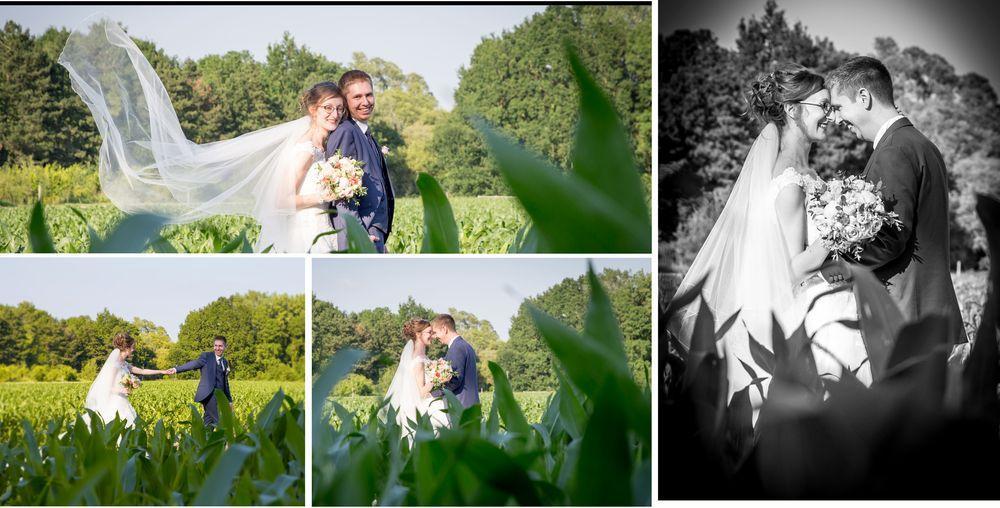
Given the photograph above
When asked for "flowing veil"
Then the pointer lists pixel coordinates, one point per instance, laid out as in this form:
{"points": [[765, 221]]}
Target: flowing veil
{"points": [[147, 165], [103, 388], [403, 394], [745, 264]]}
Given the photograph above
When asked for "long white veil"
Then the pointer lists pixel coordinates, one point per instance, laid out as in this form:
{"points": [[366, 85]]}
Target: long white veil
{"points": [[403, 394], [746, 265], [147, 165], [104, 387]]}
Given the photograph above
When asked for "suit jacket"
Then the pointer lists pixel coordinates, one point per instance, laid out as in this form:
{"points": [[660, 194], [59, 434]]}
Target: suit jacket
{"points": [[206, 363], [465, 384], [914, 262], [376, 208]]}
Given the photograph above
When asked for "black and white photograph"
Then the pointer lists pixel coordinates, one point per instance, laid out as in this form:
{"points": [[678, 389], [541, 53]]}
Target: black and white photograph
{"points": [[828, 177]]}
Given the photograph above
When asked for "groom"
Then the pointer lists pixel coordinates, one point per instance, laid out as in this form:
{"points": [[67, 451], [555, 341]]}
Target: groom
{"points": [[461, 356], [913, 261], [354, 139], [214, 374]]}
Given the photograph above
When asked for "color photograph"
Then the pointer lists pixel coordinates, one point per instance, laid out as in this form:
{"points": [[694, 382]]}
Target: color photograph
{"points": [[141, 381], [321, 128], [481, 382]]}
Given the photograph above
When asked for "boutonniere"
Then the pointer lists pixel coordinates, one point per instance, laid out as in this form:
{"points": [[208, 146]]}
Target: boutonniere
{"points": [[385, 150]]}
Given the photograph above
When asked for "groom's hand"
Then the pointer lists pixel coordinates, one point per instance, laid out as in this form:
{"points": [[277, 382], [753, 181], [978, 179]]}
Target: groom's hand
{"points": [[171, 371]]}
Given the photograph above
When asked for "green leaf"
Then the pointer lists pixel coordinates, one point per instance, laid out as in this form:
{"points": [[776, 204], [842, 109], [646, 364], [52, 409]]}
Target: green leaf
{"points": [[602, 153], [339, 367], [440, 229], [133, 234], [503, 398], [38, 231], [600, 322], [215, 490], [227, 422], [568, 214], [358, 241], [234, 244]]}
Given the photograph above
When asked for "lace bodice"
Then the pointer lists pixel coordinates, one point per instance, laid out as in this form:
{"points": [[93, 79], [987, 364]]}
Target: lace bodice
{"points": [[311, 183], [808, 183]]}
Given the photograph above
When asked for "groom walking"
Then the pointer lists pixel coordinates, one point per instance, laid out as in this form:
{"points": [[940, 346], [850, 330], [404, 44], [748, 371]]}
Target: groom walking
{"points": [[912, 261], [461, 356], [354, 139], [214, 374]]}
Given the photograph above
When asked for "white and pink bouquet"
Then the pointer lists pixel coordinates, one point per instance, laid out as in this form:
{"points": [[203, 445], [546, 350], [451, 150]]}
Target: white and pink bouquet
{"points": [[130, 383], [341, 178], [848, 213], [439, 372]]}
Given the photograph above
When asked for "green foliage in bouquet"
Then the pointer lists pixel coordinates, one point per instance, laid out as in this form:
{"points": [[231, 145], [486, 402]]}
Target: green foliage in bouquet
{"points": [[592, 445], [68, 462], [927, 420]]}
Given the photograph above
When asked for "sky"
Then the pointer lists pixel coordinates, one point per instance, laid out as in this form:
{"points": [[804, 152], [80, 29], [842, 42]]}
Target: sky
{"points": [[964, 32], [161, 289], [490, 288], [433, 41]]}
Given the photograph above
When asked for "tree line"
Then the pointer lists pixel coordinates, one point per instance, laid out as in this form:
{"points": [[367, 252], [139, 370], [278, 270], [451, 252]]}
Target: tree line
{"points": [[518, 80], [265, 335], [523, 356], [704, 135]]}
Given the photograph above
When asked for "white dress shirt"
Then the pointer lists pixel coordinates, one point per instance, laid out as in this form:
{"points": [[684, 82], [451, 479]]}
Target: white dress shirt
{"points": [[361, 125]]}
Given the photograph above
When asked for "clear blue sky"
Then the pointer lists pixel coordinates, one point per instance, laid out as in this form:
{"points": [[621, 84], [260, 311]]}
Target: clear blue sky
{"points": [[160, 289], [490, 288], [964, 32], [433, 41]]}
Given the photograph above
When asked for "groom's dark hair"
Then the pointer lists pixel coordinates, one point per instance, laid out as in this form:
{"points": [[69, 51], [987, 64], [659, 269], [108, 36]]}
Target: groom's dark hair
{"points": [[354, 76], [863, 72], [219, 337], [446, 320]]}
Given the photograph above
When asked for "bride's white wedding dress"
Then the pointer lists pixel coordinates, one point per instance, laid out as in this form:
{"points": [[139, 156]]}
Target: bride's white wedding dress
{"points": [[833, 343], [106, 396], [747, 272], [404, 393], [307, 223]]}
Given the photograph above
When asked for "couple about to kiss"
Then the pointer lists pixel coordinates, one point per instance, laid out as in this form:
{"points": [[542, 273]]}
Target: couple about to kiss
{"points": [[414, 388], [300, 180], [109, 393], [765, 253]]}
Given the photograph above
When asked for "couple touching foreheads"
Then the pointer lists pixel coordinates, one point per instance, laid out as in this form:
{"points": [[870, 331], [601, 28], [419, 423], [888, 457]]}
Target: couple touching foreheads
{"points": [[766, 252], [419, 382]]}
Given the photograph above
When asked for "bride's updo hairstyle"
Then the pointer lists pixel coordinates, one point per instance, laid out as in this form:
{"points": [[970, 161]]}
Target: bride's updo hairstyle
{"points": [[318, 93], [767, 95], [414, 326], [122, 341]]}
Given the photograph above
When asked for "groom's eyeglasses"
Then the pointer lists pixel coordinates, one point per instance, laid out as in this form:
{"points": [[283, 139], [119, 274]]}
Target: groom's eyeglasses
{"points": [[826, 107]]}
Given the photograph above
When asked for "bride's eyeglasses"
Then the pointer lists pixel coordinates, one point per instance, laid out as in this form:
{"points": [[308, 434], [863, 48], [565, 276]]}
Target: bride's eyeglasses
{"points": [[330, 109], [825, 106]]}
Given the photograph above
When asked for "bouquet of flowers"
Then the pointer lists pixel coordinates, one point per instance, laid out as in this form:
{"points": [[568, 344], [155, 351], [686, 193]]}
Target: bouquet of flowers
{"points": [[439, 372], [848, 213], [341, 178], [129, 382]]}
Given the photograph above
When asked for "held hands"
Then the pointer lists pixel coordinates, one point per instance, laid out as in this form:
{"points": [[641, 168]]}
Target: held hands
{"points": [[169, 372]]}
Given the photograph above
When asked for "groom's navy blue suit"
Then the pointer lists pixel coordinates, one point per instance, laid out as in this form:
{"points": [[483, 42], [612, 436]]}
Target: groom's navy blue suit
{"points": [[211, 378], [375, 209], [465, 384]]}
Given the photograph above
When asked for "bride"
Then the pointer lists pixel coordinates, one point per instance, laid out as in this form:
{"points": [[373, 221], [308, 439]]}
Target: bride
{"points": [[764, 254], [147, 165], [410, 391], [108, 396]]}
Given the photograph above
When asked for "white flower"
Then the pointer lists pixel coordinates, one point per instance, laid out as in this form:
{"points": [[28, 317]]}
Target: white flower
{"points": [[385, 150]]}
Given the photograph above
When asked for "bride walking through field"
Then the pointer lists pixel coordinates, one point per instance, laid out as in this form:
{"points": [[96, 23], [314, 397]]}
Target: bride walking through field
{"points": [[108, 394]]}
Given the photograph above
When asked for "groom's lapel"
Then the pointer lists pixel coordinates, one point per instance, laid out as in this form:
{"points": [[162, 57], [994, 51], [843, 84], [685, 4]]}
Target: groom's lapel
{"points": [[898, 124]]}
